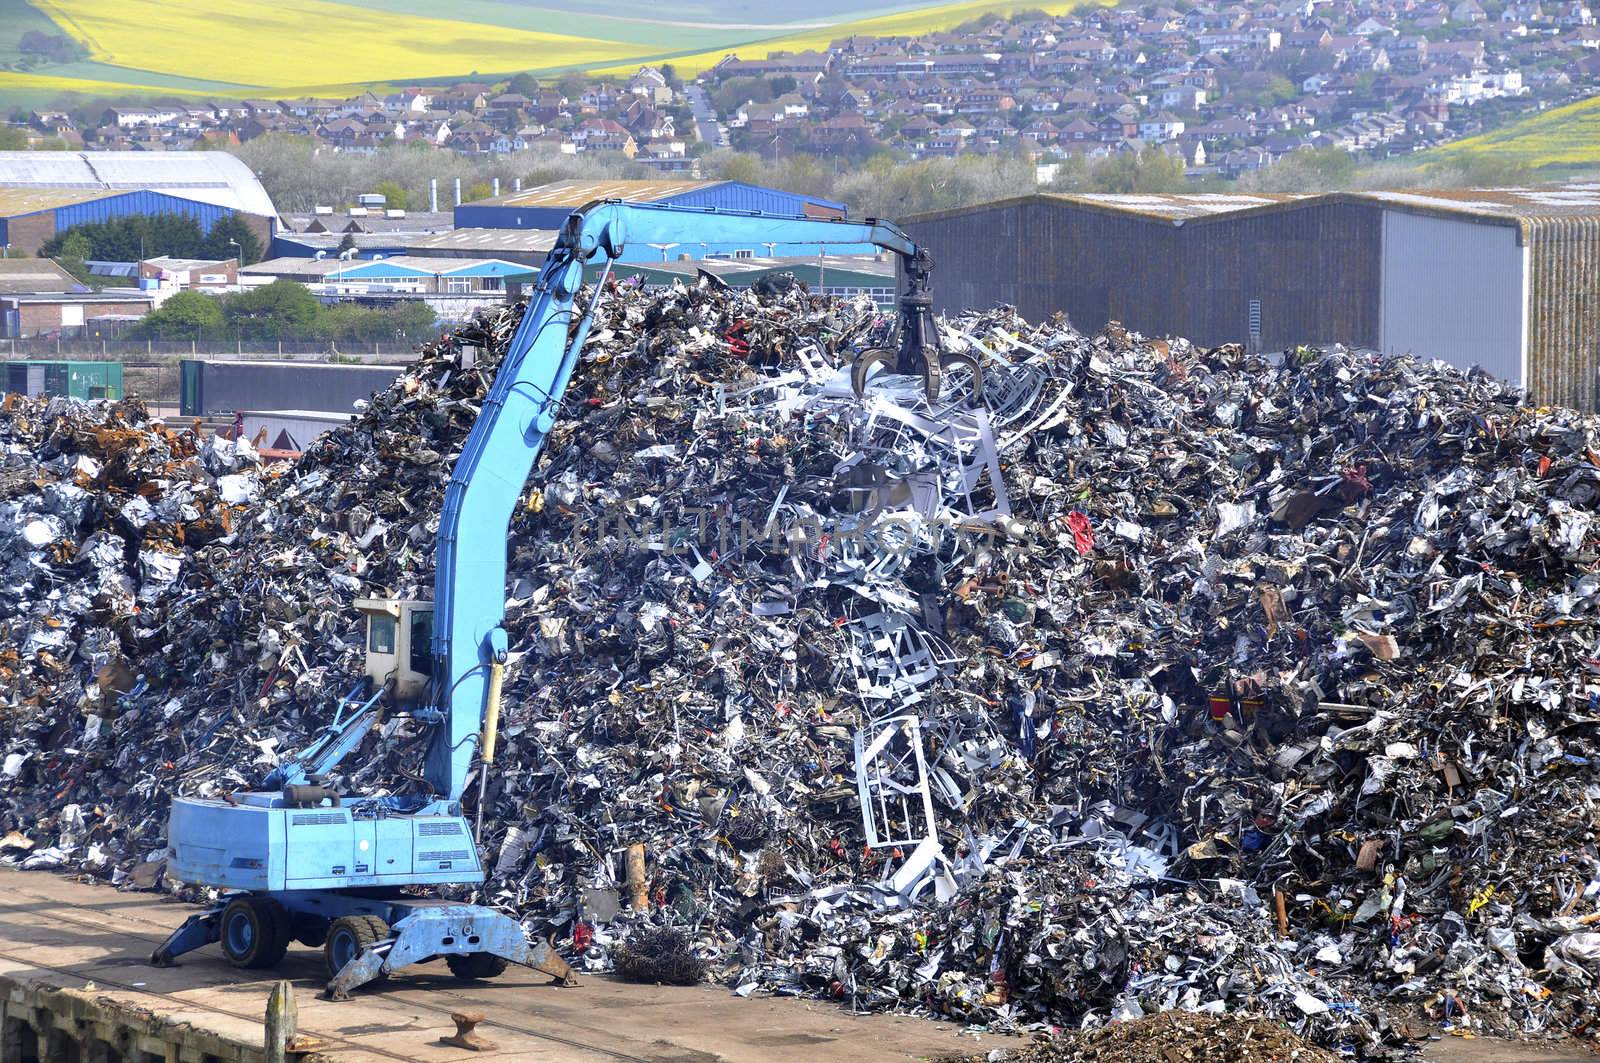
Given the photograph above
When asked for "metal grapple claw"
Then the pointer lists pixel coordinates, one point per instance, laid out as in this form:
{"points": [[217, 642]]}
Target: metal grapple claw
{"points": [[864, 363], [947, 359], [931, 363], [920, 350]]}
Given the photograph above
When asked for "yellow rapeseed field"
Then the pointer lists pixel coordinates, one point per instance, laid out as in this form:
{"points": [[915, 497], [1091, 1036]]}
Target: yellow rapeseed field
{"points": [[923, 20], [1564, 136], [11, 81], [274, 44]]}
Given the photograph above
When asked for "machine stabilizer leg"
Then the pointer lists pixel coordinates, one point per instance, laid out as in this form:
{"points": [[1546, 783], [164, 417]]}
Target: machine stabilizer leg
{"points": [[448, 930], [196, 932]]}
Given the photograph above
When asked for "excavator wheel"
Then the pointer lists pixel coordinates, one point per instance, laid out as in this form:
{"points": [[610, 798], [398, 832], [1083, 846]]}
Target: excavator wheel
{"points": [[476, 965], [254, 931], [348, 937]]}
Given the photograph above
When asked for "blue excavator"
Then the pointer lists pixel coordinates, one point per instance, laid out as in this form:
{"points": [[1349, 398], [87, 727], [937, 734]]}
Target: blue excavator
{"points": [[296, 860]]}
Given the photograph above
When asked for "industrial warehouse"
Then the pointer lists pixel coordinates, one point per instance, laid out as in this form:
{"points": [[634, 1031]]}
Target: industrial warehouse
{"points": [[43, 193], [1508, 280]]}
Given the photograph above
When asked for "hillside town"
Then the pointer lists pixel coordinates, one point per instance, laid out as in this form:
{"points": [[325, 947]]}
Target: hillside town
{"points": [[1227, 88]]}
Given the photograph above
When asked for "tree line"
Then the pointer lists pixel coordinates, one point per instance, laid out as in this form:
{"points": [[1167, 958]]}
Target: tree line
{"points": [[281, 310], [134, 237], [298, 176]]}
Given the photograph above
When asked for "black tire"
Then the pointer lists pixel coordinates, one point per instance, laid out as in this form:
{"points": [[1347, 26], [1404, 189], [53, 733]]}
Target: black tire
{"points": [[476, 965], [348, 937], [254, 932]]}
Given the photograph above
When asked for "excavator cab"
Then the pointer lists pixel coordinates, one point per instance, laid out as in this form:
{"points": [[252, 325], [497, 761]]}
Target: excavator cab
{"points": [[399, 645]]}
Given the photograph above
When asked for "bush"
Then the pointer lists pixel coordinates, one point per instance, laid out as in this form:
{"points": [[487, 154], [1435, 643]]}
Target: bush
{"points": [[184, 314], [279, 307]]}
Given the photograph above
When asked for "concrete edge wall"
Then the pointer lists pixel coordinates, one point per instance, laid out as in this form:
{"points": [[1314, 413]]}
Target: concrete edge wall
{"points": [[50, 1024]]}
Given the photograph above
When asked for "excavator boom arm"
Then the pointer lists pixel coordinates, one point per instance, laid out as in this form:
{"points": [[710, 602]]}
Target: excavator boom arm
{"points": [[469, 641]]}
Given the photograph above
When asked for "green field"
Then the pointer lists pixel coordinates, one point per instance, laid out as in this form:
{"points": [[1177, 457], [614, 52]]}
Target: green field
{"points": [[1563, 139], [18, 17], [279, 48]]}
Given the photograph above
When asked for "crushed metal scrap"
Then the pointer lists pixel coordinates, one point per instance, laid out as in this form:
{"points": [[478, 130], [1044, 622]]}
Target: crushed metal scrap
{"points": [[1161, 678]]}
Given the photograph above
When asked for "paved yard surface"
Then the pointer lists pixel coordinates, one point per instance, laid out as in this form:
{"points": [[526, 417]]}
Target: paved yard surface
{"points": [[70, 934]]}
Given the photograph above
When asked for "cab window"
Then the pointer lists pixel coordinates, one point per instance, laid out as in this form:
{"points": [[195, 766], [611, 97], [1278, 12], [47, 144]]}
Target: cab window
{"points": [[422, 641], [380, 634]]}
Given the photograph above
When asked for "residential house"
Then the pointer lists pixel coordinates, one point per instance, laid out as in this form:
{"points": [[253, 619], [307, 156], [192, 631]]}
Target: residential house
{"points": [[1161, 127], [651, 84], [134, 117], [603, 134]]}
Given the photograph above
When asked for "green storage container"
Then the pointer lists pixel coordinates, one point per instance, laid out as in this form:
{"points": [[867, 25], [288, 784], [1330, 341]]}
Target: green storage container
{"points": [[77, 380]]}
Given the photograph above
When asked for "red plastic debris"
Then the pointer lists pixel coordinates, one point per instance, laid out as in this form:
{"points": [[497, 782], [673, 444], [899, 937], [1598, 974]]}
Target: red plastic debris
{"points": [[1082, 534]]}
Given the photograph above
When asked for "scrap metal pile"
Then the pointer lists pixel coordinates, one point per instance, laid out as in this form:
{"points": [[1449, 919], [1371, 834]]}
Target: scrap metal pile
{"points": [[102, 510], [1159, 678]]}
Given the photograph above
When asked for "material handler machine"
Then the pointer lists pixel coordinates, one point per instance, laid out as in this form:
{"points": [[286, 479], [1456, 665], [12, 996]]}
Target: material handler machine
{"points": [[299, 860]]}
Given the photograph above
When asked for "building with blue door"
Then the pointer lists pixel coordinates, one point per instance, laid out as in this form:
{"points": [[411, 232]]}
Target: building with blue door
{"points": [[546, 207]]}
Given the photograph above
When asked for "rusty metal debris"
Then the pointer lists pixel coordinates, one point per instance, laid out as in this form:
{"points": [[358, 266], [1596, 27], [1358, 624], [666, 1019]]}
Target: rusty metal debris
{"points": [[662, 956], [464, 1037], [1157, 678], [1172, 1037]]}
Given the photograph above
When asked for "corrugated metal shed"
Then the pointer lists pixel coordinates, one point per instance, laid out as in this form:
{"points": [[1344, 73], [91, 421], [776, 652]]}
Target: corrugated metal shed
{"points": [[736, 195], [1564, 310], [572, 194], [1573, 200], [1276, 271], [1179, 206], [413, 222], [293, 267], [213, 177], [528, 246], [60, 209], [367, 245]]}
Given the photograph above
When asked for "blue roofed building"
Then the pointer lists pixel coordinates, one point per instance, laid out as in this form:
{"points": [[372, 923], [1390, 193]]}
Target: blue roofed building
{"points": [[444, 276], [46, 192], [400, 274], [546, 207]]}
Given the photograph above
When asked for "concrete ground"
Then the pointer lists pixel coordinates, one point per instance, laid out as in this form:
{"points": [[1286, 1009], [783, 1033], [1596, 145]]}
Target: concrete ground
{"points": [[72, 934], [1488, 1050]]}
